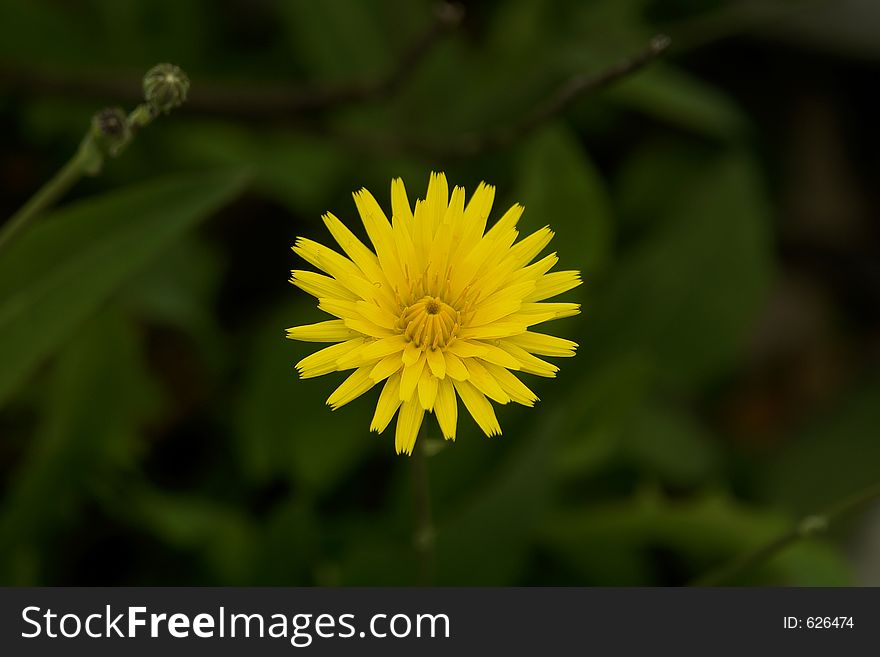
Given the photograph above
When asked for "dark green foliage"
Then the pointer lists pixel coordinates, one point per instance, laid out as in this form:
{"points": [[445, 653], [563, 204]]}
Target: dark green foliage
{"points": [[153, 429]]}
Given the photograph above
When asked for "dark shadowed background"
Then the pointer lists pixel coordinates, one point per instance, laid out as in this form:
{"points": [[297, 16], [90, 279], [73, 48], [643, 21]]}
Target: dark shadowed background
{"points": [[722, 204]]}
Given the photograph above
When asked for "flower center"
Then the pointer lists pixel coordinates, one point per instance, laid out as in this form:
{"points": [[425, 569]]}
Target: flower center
{"points": [[430, 323]]}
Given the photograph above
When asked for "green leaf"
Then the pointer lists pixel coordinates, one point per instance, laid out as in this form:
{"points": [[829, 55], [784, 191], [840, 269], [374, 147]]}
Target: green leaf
{"points": [[342, 39], [705, 532], [487, 539], [106, 36], [559, 186], [613, 421], [669, 443], [97, 399], [179, 290], [598, 411], [650, 181], [831, 459], [283, 426], [224, 537], [71, 262], [685, 296], [373, 554], [297, 170], [674, 97], [289, 545]]}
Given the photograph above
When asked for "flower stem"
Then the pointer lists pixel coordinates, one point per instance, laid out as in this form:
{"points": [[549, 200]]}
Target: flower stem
{"points": [[48, 195], [110, 132], [424, 538], [807, 527]]}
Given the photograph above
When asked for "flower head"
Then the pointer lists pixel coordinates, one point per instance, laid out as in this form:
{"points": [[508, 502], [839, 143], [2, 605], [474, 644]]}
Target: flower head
{"points": [[440, 310]]}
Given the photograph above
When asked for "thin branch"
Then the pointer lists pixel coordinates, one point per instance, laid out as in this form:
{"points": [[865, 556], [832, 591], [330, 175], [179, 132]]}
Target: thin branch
{"points": [[252, 102], [556, 104], [576, 87], [807, 527], [267, 103], [47, 196]]}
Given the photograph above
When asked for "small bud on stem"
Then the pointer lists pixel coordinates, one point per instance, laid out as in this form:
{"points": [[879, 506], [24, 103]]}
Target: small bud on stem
{"points": [[111, 131], [165, 87]]}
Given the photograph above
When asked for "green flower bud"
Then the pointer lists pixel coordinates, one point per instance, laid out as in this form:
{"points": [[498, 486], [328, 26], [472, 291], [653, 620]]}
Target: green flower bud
{"points": [[110, 131], [165, 87], [111, 123]]}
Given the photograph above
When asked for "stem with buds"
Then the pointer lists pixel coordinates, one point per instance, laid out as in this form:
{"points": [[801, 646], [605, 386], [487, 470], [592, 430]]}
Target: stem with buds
{"points": [[110, 133]]}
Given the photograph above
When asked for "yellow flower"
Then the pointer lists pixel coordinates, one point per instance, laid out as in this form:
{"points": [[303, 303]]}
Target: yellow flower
{"points": [[440, 310]]}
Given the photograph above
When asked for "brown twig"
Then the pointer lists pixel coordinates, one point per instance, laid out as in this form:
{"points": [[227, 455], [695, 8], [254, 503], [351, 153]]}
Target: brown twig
{"points": [[554, 105], [571, 90], [252, 102]]}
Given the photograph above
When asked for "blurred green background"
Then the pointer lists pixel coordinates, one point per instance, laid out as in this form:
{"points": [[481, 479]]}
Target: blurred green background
{"points": [[722, 205]]}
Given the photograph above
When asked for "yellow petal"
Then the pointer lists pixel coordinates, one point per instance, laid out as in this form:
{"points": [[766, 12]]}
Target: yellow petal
{"points": [[455, 211], [379, 231], [544, 345], [319, 285], [553, 284], [437, 198], [454, 367], [409, 420], [422, 234], [427, 389], [386, 407], [494, 331], [383, 347], [496, 355], [466, 349], [411, 353], [487, 252], [501, 304], [479, 408], [333, 330], [534, 271], [376, 314], [368, 328], [495, 310], [529, 363], [436, 362], [515, 389], [400, 206], [446, 408], [365, 259], [410, 378], [477, 212], [353, 387], [386, 367], [508, 221], [524, 251], [325, 360], [338, 266], [485, 382], [342, 308], [558, 310]]}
